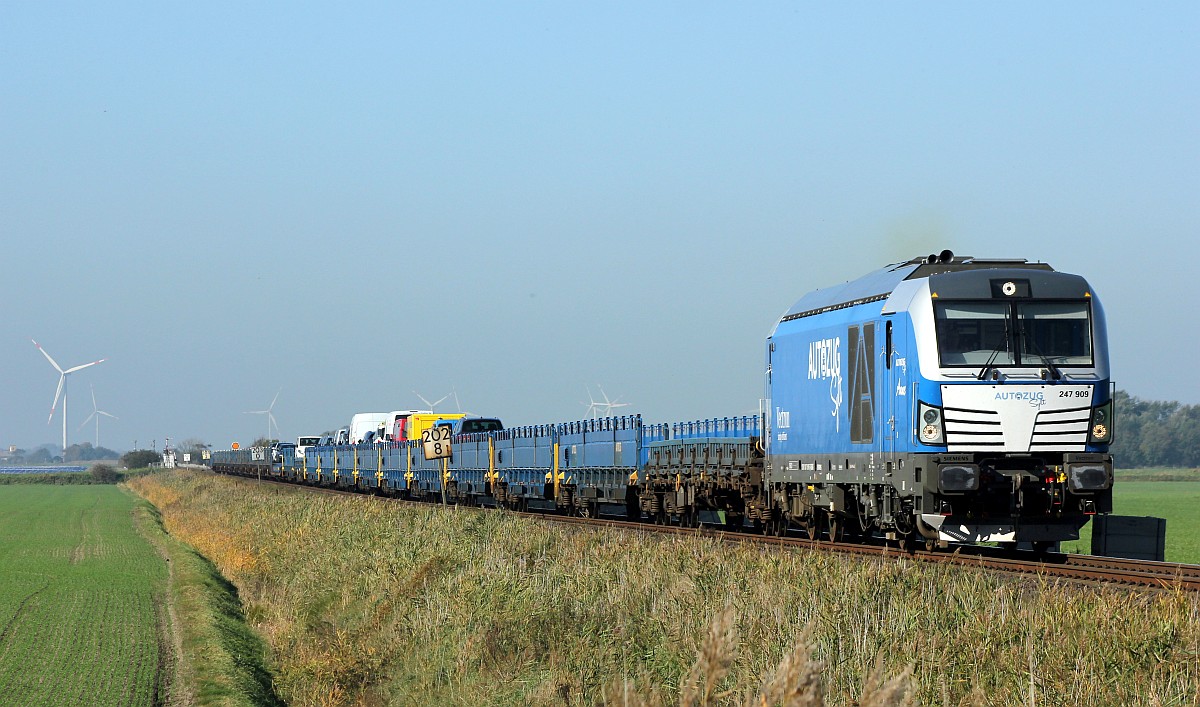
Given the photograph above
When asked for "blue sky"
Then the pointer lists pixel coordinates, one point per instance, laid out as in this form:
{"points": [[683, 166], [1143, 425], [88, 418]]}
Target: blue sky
{"points": [[348, 203]]}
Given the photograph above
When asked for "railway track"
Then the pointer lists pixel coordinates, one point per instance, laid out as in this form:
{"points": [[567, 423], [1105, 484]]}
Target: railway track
{"points": [[1085, 568], [1082, 568]]}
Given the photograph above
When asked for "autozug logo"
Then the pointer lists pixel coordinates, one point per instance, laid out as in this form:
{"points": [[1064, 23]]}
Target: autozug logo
{"points": [[1035, 398]]}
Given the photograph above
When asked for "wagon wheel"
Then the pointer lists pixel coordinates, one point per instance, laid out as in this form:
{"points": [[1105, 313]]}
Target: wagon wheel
{"points": [[812, 528], [836, 527]]}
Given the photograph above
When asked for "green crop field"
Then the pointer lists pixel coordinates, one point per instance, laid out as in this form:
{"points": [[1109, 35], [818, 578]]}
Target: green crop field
{"points": [[1177, 501], [81, 599]]}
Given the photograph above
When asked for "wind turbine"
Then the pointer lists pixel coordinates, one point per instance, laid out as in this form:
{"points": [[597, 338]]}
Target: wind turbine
{"points": [[604, 408], [591, 404], [270, 416], [96, 412], [62, 389], [434, 404]]}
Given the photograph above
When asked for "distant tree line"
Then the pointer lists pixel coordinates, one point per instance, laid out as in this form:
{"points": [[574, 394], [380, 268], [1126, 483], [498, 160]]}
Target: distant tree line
{"points": [[1155, 433], [47, 454]]}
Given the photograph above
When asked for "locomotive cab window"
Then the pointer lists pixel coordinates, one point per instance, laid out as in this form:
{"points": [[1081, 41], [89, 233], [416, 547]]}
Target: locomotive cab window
{"points": [[970, 333], [1058, 332], [1013, 334]]}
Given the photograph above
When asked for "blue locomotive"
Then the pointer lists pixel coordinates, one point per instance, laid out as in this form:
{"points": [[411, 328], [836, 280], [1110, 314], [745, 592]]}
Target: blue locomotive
{"points": [[939, 400], [948, 399]]}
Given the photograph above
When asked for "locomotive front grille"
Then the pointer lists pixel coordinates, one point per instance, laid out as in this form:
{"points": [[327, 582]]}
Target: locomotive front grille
{"points": [[1016, 419], [1061, 430], [973, 430]]}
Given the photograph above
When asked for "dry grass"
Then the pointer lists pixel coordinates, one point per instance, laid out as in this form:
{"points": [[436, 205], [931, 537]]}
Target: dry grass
{"points": [[372, 603]]}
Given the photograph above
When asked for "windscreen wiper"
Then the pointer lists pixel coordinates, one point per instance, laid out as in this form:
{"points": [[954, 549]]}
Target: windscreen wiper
{"points": [[1054, 372], [995, 352], [988, 366]]}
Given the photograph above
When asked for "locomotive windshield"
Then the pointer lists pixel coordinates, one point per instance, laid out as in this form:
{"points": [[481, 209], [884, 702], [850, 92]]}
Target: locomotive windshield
{"points": [[1025, 333]]}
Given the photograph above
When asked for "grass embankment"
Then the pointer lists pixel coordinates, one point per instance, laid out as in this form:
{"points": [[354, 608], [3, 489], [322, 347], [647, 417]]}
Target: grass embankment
{"points": [[368, 602], [221, 660]]}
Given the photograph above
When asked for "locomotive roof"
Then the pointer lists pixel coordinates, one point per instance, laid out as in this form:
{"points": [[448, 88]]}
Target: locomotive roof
{"points": [[877, 285]]}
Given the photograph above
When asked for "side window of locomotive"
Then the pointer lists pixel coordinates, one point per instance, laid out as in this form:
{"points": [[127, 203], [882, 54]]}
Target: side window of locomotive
{"points": [[969, 333], [1058, 331], [860, 383]]}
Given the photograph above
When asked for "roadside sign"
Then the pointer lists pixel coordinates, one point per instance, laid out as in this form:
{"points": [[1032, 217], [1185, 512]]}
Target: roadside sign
{"points": [[436, 441]]}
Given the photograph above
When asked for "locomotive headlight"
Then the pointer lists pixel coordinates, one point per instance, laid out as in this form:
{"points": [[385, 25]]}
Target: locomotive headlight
{"points": [[1101, 428], [958, 477], [931, 431], [1089, 477]]}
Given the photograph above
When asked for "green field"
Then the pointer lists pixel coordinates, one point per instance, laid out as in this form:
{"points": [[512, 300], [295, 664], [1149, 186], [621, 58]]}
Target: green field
{"points": [[82, 614], [1177, 501]]}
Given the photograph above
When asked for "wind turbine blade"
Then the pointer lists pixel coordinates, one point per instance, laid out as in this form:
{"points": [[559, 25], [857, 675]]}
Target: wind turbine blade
{"points": [[52, 361], [272, 405], [79, 368], [101, 412], [423, 399], [89, 419], [61, 378], [94, 405]]}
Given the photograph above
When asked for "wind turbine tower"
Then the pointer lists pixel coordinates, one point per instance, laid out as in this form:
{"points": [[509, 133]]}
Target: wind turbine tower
{"points": [[270, 416], [62, 389], [96, 412]]}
